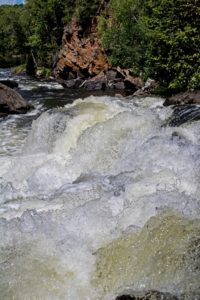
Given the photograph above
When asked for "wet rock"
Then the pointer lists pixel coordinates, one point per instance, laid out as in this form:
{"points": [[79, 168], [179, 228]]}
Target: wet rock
{"points": [[150, 295], [183, 114], [10, 83], [184, 98], [12, 102]]}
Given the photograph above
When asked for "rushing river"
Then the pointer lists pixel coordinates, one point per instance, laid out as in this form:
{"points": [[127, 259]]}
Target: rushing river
{"points": [[98, 196]]}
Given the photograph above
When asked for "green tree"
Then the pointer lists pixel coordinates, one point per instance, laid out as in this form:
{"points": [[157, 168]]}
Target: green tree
{"points": [[157, 38], [45, 22], [122, 33], [12, 34], [45, 28], [86, 10], [173, 56], [36, 28]]}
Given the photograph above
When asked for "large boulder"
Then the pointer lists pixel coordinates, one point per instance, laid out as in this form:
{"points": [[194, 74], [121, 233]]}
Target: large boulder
{"points": [[11, 102]]}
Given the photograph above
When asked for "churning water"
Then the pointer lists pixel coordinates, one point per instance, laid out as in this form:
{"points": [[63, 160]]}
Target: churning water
{"points": [[97, 197]]}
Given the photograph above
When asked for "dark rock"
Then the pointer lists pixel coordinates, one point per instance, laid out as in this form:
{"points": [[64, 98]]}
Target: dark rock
{"points": [[126, 297], [72, 83], [111, 74], [131, 82], [12, 102], [150, 295], [183, 114], [122, 73], [10, 83], [119, 85], [98, 82], [72, 75], [184, 98]]}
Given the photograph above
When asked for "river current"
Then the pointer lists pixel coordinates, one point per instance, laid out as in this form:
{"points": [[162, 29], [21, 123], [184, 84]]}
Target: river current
{"points": [[98, 196]]}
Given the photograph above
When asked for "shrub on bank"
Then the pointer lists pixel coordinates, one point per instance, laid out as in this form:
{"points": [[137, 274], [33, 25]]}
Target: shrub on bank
{"points": [[158, 38]]}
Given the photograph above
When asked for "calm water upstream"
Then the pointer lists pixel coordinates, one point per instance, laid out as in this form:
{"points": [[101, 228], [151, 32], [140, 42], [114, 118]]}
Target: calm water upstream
{"points": [[98, 196]]}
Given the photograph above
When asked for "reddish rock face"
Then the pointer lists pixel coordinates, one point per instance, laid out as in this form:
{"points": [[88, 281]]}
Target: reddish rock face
{"points": [[82, 63], [80, 56]]}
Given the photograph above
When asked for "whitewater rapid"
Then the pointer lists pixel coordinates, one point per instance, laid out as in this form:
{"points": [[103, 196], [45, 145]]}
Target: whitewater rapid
{"points": [[102, 196]]}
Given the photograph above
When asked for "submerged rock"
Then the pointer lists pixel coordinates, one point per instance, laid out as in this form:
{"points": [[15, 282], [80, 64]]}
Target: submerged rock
{"points": [[12, 102], [150, 295]]}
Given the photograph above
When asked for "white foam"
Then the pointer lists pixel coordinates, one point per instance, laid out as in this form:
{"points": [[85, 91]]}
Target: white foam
{"points": [[88, 173]]}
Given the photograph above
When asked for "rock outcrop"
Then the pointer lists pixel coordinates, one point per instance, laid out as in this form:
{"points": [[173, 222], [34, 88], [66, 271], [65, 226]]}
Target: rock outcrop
{"points": [[82, 63], [184, 98], [12, 102], [81, 56]]}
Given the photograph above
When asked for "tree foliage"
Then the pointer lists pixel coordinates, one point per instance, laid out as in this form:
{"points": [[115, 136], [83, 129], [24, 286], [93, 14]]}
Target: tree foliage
{"points": [[12, 34], [37, 27], [174, 43], [156, 38], [122, 33], [86, 10], [44, 22]]}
